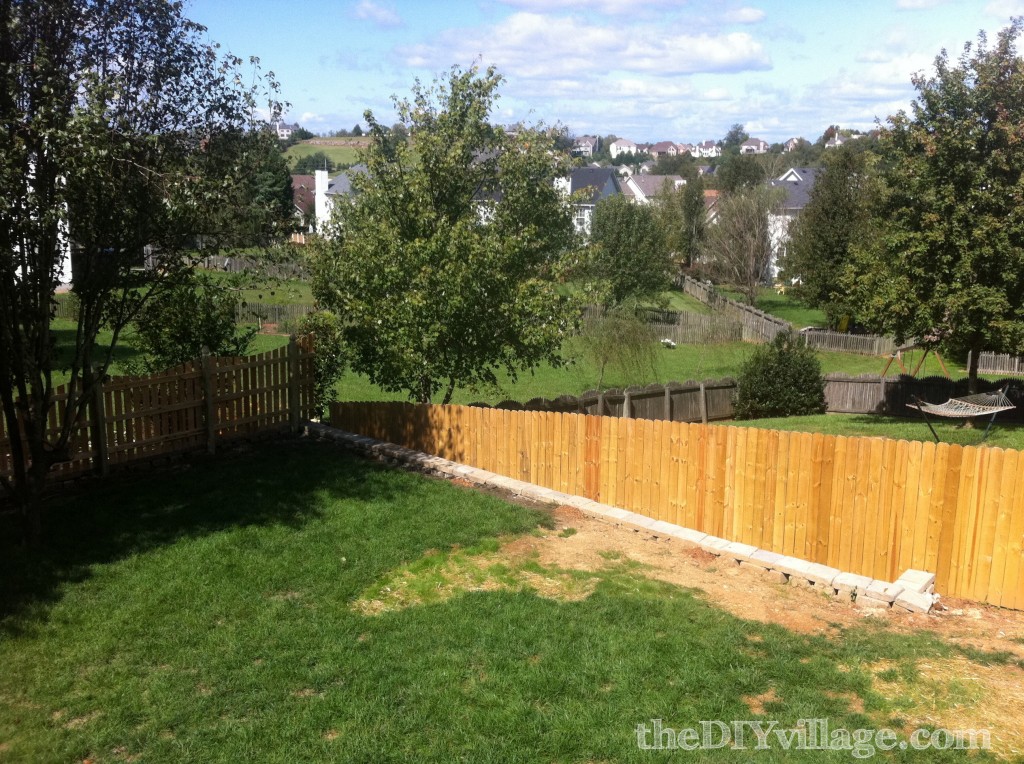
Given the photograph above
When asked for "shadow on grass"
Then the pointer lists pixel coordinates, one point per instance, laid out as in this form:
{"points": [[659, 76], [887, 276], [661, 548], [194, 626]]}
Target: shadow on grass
{"points": [[64, 344], [283, 482]]}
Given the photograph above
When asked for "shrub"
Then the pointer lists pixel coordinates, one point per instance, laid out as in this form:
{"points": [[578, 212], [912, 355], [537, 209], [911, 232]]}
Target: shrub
{"points": [[782, 378], [329, 360]]}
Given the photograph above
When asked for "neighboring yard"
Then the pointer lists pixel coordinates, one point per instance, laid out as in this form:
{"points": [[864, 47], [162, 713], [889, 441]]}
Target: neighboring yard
{"points": [[339, 154], [783, 306], [290, 602]]}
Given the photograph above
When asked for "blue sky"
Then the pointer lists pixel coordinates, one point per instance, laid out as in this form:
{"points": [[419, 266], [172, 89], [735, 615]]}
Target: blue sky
{"points": [[643, 69]]}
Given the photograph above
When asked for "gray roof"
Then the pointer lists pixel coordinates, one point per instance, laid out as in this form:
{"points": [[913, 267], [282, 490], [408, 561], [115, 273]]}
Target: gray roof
{"points": [[798, 189], [601, 180], [341, 184], [651, 185]]}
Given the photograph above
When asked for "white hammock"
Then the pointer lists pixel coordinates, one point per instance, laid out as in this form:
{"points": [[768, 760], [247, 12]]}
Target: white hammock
{"points": [[982, 404]]}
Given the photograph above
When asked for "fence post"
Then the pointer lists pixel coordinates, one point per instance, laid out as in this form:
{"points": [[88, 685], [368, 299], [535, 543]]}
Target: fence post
{"points": [[99, 425], [703, 404], [600, 403], [627, 405], [293, 382], [210, 403], [668, 404]]}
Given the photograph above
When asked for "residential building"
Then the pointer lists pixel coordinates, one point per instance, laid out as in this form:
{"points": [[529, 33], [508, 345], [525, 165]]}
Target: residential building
{"points": [[304, 201], [620, 147], [592, 184], [798, 182], [586, 146], [754, 146], [792, 145], [643, 189], [708, 150], [662, 147], [284, 130], [328, 190]]}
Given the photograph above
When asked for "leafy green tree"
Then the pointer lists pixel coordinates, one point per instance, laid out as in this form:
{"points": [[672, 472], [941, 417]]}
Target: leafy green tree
{"points": [[948, 257], [734, 139], [309, 164], [682, 218], [195, 316], [780, 378], [628, 259], [739, 171], [833, 222], [329, 359], [121, 131], [443, 266], [356, 131], [738, 247]]}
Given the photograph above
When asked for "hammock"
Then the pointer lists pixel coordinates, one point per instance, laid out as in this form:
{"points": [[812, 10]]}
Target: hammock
{"points": [[980, 404]]}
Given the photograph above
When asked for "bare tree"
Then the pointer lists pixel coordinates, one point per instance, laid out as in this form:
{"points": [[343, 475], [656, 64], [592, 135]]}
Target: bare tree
{"points": [[738, 247]]}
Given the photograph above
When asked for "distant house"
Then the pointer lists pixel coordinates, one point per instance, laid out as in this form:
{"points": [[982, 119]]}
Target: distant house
{"points": [[684, 148], [284, 130], [328, 190], [711, 205], [592, 184], [620, 147], [798, 182], [708, 150], [662, 148], [647, 166], [836, 141], [706, 170], [642, 189], [304, 201], [586, 146], [792, 145], [754, 146]]}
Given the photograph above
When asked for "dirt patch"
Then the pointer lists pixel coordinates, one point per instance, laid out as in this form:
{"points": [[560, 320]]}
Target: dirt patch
{"points": [[957, 694], [757, 703], [80, 721]]}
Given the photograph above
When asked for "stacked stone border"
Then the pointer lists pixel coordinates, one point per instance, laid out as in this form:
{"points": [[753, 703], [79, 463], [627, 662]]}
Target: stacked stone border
{"points": [[913, 592]]}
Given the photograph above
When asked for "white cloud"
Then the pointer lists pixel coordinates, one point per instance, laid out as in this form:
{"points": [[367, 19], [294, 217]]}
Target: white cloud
{"points": [[745, 16], [533, 45], [366, 10], [917, 5], [606, 7], [1005, 8]]}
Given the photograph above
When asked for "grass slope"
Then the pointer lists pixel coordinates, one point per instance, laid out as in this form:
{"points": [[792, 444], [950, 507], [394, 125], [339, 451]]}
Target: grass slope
{"points": [[211, 616], [338, 154]]}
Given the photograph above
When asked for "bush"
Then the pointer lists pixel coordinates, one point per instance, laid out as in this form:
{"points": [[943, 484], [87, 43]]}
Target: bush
{"points": [[330, 360], [782, 378]]}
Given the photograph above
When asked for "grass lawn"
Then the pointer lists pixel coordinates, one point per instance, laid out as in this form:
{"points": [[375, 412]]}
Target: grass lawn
{"points": [[783, 306], [337, 154], [222, 614], [900, 428]]}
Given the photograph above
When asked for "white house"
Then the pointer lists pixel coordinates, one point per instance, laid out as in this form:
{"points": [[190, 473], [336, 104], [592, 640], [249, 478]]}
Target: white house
{"points": [[798, 182], [596, 183], [327, 190], [620, 147], [708, 150], [586, 146]]}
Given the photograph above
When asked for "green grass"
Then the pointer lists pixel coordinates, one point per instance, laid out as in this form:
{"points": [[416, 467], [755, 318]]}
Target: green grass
{"points": [[783, 306], [211, 615], [338, 154], [899, 428]]}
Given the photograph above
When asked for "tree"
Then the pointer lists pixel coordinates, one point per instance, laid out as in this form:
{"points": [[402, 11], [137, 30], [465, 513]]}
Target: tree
{"points": [[682, 217], [309, 164], [948, 258], [121, 133], [628, 259], [734, 139], [330, 357], [833, 222], [356, 131], [739, 171], [194, 316], [442, 268], [619, 340], [738, 248]]}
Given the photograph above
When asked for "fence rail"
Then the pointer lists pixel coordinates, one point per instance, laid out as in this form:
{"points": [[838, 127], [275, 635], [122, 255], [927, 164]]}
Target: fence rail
{"points": [[868, 505], [758, 326], [865, 344], [187, 408]]}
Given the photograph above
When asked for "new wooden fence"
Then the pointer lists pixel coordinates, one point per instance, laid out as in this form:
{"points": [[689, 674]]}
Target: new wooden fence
{"points": [[188, 408], [868, 505]]}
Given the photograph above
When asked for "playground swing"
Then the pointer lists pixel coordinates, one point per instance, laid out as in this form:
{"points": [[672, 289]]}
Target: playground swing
{"points": [[968, 407]]}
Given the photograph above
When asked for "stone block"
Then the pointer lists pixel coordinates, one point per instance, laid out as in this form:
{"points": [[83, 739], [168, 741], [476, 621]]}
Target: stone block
{"points": [[920, 581], [793, 567], [881, 590], [870, 603], [713, 544], [777, 576], [914, 602], [739, 551], [690, 535], [666, 528], [765, 559], [851, 582], [822, 575]]}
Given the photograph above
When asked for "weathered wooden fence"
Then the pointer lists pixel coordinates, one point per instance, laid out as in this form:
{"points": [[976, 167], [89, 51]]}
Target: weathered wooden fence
{"points": [[999, 363], [868, 505], [688, 401], [865, 344], [190, 407], [682, 327], [758, 326], [712, 399], [279, 316]]}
